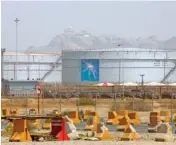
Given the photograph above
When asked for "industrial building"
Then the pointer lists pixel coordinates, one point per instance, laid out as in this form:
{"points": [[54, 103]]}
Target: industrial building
{"points": [[118, 65], [91, 66], [19, 88]]}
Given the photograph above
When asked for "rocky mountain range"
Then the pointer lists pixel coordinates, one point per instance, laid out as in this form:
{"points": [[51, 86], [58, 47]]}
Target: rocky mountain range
{"points": [[84, 40]]}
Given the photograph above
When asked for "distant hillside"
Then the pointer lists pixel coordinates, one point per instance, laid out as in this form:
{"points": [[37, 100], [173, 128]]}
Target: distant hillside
{"points": [[84, 40]]}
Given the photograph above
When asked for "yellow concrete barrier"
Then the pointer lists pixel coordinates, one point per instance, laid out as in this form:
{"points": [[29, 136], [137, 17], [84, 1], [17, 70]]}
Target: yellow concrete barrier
{"points": [[33, 124], [165, 116], [86, 115], [155, 121], [134, 118], [122, 113], [123, 123], [20, 132], [130, 134], [47, 124], [4, 112], [14, 111], [112, 118], [73, 115], [92, 121], [102, 132]]}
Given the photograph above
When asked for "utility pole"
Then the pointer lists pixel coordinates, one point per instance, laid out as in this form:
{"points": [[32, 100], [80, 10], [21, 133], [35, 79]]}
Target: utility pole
{"points": [[142, 82], [16, 21], [142, 79]]}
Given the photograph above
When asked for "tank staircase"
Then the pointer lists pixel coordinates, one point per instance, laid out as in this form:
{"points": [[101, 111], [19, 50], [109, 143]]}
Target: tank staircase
{"points": [[54, 65], [168, 74]]}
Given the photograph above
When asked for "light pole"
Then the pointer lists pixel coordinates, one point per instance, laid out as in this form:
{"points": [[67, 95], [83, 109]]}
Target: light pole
{"points": [[16, 21], [142, 81]]}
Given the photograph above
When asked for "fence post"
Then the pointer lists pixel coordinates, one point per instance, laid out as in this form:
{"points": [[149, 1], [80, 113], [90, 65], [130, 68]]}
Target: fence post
{"points": [[152, 103], [77, 96], [133, 104], [171, 108], [115, 102], [97, 95], [60, 96]]}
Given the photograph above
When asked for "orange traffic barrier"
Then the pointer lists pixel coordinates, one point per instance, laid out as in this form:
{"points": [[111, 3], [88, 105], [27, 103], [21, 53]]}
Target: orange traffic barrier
{"points": [[112, 118], [165, 116], [20, 131], [73, 115], [134, 118]]}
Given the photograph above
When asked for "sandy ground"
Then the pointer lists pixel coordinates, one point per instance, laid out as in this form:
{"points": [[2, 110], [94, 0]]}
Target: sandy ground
{"points": [[92, 143], [102, 108]]}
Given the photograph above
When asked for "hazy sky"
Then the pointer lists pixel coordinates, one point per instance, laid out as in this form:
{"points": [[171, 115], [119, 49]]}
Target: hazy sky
{"points": [[40, 21]]}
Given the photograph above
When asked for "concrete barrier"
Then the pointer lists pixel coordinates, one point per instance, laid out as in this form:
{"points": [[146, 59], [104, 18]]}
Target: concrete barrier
{"points": [[102, 132], [86, 115], [112, 118], [154, 121], [73, 115], [123, 123], [134, 118], [164, 133], [20, 131], [130, 134], [122, 113], [165, 116]]}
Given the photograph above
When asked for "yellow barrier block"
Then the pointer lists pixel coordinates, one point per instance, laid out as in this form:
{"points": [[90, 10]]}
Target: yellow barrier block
{"points": [[96, 116], [102, 132], [86, 115], [14, 111], [134, 118], [154, 121], [73, 115], [130, 134], [165, 116], [33, 124], [123, 123], [92, 121], [4, 112], [122, 113], [47, 124], [20, 132], [112, 118]]}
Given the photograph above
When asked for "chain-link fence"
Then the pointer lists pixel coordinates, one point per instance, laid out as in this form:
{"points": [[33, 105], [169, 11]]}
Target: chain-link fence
{"points": [[100, 99]]}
